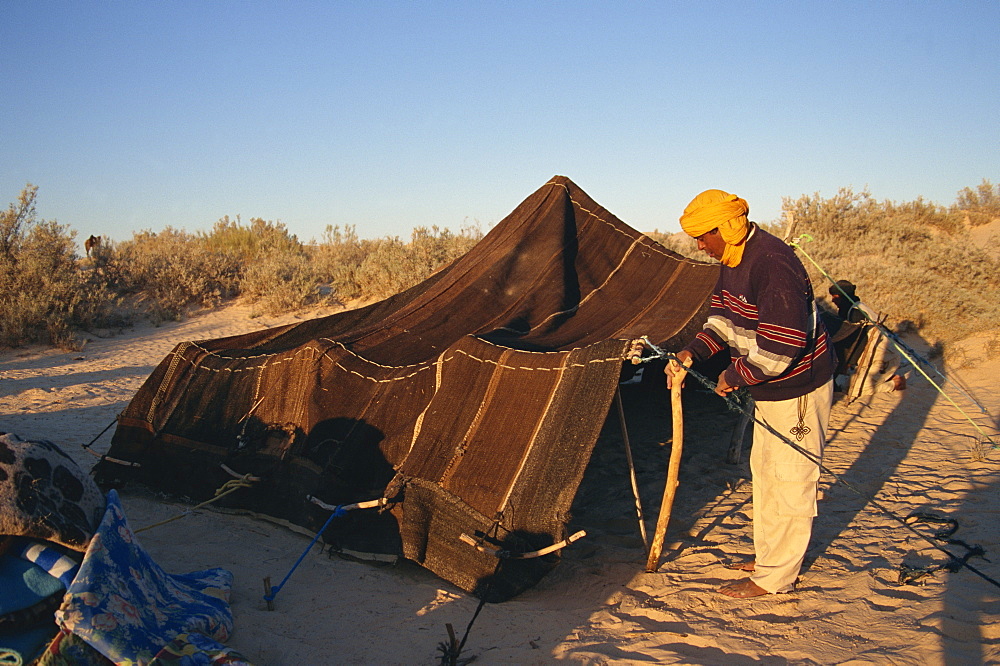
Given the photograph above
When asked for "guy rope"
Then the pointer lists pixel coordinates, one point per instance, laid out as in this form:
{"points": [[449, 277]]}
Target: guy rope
{"points": [[231, 486]]}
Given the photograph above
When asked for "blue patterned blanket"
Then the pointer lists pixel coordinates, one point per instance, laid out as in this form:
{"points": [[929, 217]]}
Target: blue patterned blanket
{"points": [[128, 608]]}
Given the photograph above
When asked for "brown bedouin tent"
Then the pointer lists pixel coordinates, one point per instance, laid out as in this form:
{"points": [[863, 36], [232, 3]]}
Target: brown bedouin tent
{"points": [[472, 401]]}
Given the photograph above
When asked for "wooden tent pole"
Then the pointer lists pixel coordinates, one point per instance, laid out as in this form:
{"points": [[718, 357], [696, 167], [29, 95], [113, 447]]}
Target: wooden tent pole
{"points": [[673, 469], [631, 468]]}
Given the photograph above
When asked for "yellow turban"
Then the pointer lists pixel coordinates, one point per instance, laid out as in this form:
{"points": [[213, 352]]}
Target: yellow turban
{"points": [[717, 209]]}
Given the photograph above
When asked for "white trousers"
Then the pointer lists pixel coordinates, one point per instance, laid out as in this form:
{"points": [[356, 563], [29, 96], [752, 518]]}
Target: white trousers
{"points": [[785, 484]]}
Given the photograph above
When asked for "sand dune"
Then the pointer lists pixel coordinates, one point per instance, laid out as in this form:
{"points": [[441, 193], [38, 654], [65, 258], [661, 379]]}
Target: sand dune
{"points": [[909, 451]]}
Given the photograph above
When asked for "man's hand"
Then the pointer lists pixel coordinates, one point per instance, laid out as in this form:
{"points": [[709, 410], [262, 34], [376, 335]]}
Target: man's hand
{"points": [[722, 387], [674, 366]]}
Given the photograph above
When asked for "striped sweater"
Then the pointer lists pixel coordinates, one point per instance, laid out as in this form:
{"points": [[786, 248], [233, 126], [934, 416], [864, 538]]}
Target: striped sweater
{"points": [[763, 311]]}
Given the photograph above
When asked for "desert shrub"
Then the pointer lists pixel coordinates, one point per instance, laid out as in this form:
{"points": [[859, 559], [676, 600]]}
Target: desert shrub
{"points": [[911, 261], [171, 270], [387, 268], [272, 268], [282, 282], [45, 295], [337, 259], [981, 205], [434, 248], [230, 238], [992, 347], [391, 266], [925, 215]]}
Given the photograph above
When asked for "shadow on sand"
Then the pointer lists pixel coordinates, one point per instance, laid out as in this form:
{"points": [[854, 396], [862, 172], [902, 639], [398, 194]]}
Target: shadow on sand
{"points": [[879, 460]]}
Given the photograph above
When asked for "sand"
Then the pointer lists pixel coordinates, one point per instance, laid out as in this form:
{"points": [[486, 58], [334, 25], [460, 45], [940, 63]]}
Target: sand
{"points": [[909, 451]]}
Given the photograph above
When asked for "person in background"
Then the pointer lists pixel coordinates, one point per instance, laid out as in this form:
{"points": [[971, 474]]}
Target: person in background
{"points": [[883, 366], [764, 316], [845, 299]]}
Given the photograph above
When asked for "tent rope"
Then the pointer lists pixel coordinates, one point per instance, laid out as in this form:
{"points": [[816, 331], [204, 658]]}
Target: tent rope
{"points": [[106, 428], [452, 649], [918, 361], [226, 488], [734, 405], [909, 575]]}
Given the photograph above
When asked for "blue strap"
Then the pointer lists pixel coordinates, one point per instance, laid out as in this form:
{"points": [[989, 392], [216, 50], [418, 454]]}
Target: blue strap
{"points": [[337, 513]]}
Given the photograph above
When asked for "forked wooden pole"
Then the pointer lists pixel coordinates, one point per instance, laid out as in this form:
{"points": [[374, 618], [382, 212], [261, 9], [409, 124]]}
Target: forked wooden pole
{"points": [[673, 469]]}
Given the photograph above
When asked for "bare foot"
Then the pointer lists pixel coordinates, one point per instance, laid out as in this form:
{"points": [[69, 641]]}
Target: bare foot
{"points": [[898, 383], [743, 589]]}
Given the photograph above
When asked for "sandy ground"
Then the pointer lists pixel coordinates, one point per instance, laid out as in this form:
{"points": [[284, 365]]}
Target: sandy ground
{"points": [[908, 451], [987, 236]]}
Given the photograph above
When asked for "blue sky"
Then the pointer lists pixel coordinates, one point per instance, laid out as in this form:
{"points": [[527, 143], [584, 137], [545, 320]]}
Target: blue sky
{"points": [[390, 115]]}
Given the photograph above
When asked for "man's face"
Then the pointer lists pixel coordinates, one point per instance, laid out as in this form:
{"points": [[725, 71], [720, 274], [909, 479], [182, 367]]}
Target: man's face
{"points": [[711, 243]]}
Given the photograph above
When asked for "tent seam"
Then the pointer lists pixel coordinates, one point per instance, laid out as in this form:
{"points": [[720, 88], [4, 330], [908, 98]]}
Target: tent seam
{"points": [[425, 366]]}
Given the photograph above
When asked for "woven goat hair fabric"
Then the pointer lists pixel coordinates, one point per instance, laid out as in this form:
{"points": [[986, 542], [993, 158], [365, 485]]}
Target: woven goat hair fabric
{"points": [[472, 400]]}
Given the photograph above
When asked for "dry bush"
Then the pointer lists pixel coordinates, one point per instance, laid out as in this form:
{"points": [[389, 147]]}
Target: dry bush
{"points": [[912, 261], [386, 269], [230, 238], [374, 269], [273, 269], [170, 271], [992, 347], [981, 205], [337, 260], [45, 295], [282, 282], [433, 249]]}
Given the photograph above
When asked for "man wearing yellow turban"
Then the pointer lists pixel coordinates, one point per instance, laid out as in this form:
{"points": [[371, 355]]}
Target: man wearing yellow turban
{"points": [[763, 313], [719, 223]]}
